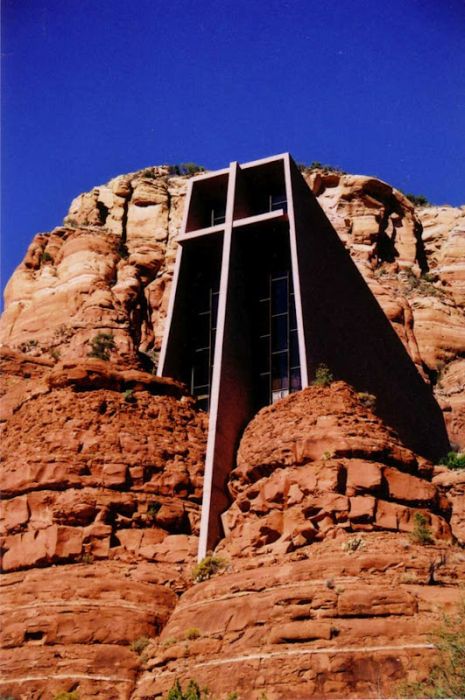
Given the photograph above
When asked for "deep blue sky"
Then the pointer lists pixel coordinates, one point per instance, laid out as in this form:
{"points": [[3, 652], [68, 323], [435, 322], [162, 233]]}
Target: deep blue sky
{"points": [[95, 88]]}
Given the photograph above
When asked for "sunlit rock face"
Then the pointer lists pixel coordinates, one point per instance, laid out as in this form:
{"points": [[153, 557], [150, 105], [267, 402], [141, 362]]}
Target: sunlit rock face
{"points": [[327, 589], [103, 467], [108, 270], [101, 484]]}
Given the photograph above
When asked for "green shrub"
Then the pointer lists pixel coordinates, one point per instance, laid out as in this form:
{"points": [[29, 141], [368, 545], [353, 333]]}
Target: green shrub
{"points": [[87, 558], [421, 533], [418, 200], [148, 173], [101, 346], [192, 633], [323, 376], [128, 396], [65, 695], [353, 544], [206, 568], [192, 692], [447, 676], [28, 345], [453, 460], [186, 169], [153, 509], [46, 257], [366, 399], [139, 644]]}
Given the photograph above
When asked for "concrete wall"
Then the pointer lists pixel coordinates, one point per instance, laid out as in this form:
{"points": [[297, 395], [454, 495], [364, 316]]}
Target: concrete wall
{"points": [[345, 328]]}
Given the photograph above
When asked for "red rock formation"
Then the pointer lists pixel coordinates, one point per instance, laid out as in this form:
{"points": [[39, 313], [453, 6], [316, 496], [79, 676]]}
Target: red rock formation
{"points": [[109, 269], [101, 483], [328, 590], [346, 618], [325, 593]]}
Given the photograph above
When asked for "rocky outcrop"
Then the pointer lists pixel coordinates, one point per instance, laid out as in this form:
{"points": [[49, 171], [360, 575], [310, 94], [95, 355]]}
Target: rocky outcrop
{"points": [[329, 588], [101, 484], [108, 270], [319, 464], [326, 589], [347, 618]]}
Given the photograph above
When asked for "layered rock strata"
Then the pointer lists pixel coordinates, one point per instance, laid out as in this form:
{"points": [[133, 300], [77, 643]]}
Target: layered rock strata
{"points": [[108, 269], [101, 484], [329, 589]]}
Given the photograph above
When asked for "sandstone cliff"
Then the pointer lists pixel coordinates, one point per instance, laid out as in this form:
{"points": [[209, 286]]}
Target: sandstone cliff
{"points": [[326, 591], [108, 269]]}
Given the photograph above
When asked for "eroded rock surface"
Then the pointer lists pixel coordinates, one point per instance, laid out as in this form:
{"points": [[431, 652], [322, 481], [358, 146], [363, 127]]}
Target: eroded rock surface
{"points": [[109, 268], [101, 484], [328, 589], [325, 592]]}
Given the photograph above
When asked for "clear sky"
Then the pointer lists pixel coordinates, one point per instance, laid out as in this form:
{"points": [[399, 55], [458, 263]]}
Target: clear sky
{"points": [[95, 88]]}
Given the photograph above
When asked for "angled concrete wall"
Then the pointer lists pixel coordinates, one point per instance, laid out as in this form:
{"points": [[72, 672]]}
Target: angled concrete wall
{"points": [[339, 321]]}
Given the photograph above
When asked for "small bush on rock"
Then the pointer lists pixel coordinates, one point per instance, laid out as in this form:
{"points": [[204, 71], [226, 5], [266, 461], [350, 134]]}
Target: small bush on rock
{"points": [[447, 677], [419, 200], [128, 396], [138, 645], [65, 695], [453, 460], [353, 544], [323, 376], [366, 399], [192, 692], [206, 568], [101, 346], [421, 533], [192, 633]]}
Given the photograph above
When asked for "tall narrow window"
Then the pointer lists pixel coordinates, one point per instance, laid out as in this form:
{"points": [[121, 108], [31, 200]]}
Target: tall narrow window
{"points": [[204, 345], [278, 353]]}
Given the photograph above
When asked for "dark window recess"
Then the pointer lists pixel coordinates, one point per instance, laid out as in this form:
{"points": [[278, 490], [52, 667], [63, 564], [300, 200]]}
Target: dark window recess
{"points": [[218, 216], [204, 346], [277, 347], [278, 201]]}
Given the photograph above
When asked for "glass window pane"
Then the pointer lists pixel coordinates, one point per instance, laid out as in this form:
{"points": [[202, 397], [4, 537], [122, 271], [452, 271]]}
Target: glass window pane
{"points": [[296, 383], [279, 371], [263, 318], [292, 316], [279, 333], [215, 298], [201, 372], [202, 331], [203, 403], [264, 392], [264, 354], [294, 360], [278, 296], [278, 201]]}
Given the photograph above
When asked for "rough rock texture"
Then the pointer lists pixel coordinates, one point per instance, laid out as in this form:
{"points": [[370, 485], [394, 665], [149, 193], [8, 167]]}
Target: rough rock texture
{"points": [[326, 622], [318, 464], [326, 590], [109, 270], [101, 484], [325, 593]]}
